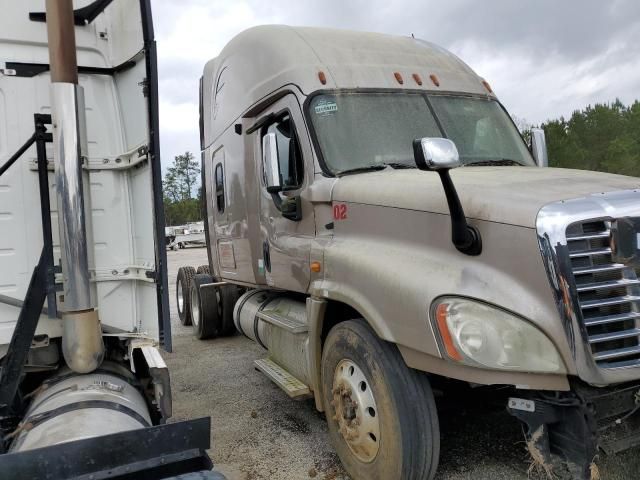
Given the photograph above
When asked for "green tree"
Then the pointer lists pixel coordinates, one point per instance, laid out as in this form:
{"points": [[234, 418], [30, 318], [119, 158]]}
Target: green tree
{"points": [[603, 137], [170, 186], [179, 183], [184, 171]]}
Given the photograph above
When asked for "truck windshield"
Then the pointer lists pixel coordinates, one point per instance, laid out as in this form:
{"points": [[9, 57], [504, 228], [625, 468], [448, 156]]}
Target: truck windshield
{"points": [[361, 131]]}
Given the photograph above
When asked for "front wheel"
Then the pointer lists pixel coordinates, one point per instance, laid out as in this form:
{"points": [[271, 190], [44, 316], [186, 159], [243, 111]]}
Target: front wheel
{"points": [[381, 414]]}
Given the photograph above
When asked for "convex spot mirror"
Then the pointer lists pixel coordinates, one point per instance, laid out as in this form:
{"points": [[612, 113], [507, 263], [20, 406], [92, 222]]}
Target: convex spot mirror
{"points": [[273, 178], [434, 153]]}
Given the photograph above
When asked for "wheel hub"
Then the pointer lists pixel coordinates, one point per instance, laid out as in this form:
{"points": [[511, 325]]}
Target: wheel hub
{"points": [[355, 410], [195, 306], [180, 296]]}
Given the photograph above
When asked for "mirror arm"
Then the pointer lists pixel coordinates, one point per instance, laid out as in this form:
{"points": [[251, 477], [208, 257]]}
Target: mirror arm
{"points": [[277, 200], [260, 123], [465, 237], [294, 215]]}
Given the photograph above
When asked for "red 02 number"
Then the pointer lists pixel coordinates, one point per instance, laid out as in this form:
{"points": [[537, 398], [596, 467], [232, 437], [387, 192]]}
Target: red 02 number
{"points": [[340, 211]]}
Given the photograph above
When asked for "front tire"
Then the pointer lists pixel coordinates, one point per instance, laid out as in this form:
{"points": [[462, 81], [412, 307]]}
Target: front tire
{"points": [[183, 284], [381, 414]]}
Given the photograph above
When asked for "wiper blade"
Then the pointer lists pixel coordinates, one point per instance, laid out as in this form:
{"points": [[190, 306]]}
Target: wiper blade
{"points": [[399, 165], [499, 162], [369, 168], [373, 168]]}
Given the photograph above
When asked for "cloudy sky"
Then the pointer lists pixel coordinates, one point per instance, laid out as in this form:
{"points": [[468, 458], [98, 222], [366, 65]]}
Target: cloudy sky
{"points": [[543, 58]]}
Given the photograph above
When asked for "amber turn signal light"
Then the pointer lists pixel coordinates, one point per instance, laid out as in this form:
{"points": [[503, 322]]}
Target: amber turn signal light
{"points": [[441, 319]]}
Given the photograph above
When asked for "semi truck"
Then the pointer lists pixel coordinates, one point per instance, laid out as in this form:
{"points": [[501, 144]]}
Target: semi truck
{"points": [[84, 391], [377, 223]]}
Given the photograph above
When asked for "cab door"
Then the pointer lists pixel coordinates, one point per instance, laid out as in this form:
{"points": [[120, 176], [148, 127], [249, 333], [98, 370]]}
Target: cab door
{"points": [[287, 224]]}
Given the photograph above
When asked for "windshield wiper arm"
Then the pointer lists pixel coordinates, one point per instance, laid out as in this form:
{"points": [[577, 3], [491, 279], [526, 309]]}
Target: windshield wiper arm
{"points": [[499, 162], [373, 168], [369, 168]]}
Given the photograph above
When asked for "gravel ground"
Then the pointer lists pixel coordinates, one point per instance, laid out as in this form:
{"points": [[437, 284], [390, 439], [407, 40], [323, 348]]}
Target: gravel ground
{"points": [[259, 433]]}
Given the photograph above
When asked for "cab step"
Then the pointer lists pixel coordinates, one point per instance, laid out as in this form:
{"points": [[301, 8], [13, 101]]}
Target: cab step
{"points": [[287, 323], [287, 382]]}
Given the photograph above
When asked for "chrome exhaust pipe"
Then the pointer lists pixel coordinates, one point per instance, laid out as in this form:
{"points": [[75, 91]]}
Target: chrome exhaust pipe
{"points": [[82, 344]]}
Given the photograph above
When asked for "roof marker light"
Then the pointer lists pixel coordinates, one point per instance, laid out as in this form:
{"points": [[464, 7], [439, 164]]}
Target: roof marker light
{"points": [[322, 77], [487, 86], [417, 78], [398, 77], [435, 80]]}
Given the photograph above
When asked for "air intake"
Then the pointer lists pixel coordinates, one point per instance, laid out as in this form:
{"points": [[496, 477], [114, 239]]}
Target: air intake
{"points": [[608, 293]]}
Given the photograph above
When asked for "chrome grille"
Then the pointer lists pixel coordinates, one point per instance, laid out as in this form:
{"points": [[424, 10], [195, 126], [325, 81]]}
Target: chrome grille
{"points": [[608, 293]]}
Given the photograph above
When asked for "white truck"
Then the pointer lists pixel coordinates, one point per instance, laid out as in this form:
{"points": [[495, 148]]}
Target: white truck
{"points": [[374, 268], [84, 391]]}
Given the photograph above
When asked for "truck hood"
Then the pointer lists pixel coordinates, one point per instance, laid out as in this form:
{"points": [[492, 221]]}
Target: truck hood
{"points": [[511, 195]]}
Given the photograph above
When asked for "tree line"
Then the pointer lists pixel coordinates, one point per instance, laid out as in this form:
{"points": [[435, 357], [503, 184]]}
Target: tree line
{"points": [[182, 192], [603, 137]]}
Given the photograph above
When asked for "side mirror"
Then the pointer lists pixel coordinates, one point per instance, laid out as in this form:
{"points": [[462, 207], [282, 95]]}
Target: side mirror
{"points": [[539, 147], [441, 155], [433, 153], [291, 207], [270, 163]]}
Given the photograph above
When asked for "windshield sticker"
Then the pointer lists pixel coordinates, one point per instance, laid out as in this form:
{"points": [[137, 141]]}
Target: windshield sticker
{"points": [[325, 108]]}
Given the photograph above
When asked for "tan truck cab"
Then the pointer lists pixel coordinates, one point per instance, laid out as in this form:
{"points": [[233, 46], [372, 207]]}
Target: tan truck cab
{"points": [[378, 224]]}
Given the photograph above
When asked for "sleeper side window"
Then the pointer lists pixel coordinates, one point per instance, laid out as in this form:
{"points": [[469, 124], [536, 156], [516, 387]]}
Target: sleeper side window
{"points": [[289, 154], [219, 181]]}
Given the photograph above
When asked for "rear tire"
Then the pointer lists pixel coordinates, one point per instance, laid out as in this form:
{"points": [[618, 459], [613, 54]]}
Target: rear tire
{"points": [[203, 269], [183, 284], [381, 414], [205, 314]]}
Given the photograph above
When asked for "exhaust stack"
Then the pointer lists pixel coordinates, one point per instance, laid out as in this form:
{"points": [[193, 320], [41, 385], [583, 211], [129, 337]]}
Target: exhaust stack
{"points": [[82, 343]]}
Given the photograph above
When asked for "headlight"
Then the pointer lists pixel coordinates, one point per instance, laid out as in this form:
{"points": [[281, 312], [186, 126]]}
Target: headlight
{"points": [[480, 335]]}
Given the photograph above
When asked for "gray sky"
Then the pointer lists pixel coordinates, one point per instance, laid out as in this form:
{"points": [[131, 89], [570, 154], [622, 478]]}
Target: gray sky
{"points": [[543, 58]]}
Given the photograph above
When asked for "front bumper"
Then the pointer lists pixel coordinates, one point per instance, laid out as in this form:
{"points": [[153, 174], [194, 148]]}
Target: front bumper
{"points": [[579, 423]]}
